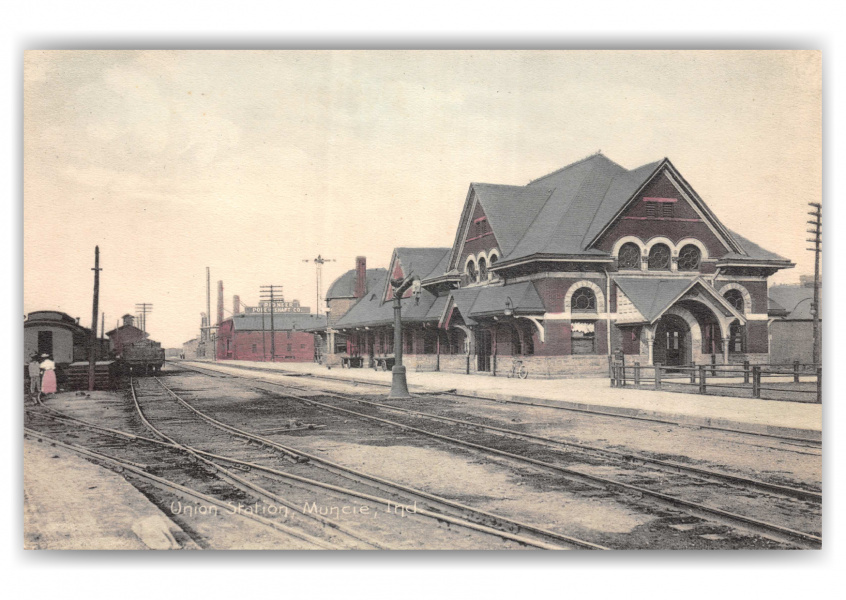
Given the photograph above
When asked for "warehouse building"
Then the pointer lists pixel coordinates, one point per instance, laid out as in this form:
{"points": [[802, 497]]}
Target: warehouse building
{"points": [[125, 335], [252, 336], [792, 326], [561, 273]]}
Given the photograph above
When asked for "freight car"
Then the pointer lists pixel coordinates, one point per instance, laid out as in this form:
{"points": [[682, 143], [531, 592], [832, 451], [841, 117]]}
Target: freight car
{"points": [[143, 357]]}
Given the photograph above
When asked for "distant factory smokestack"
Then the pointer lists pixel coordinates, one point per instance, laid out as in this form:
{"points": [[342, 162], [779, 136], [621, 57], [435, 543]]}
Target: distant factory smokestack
{"points": [[219, 302], [236, 305]]}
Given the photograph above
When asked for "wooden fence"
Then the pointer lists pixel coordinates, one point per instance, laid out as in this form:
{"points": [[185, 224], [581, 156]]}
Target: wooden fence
{"points": [[796, 381]]}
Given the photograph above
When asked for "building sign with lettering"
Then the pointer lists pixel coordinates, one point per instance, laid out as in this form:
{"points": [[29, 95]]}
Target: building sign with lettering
{"points": [[279, 306]]}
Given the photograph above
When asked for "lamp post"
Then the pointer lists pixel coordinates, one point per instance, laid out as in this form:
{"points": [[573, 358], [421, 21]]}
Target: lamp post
{"points": [[399, 384]]}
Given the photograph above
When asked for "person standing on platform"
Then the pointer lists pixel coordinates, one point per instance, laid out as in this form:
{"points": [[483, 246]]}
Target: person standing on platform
{"points": [[34, 371], [48, 379]]}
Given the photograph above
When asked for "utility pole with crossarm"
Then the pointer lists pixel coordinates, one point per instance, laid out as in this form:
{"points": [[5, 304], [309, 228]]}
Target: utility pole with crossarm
{"points": [[817, 250]]}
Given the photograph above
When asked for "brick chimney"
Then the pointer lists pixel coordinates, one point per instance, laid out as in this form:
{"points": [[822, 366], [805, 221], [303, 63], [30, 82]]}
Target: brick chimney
{"points": [[360, 276], [236, 305], [219, 302]]}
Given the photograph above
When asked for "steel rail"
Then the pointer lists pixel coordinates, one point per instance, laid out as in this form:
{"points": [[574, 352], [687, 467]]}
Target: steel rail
{"points": [[628, 458], [699, 472], [311, 483], [811, 443], [248, 486], [769, 530], [120, 465], [392, 487]]}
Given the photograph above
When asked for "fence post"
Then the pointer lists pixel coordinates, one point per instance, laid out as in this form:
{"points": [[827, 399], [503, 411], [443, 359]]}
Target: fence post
{"points": [[693, 372], [795, 371], [819, 385], [713, 365], [745, 371], [657, 376], [637, 373], [756, 381], [613, 369], [702, 378]]}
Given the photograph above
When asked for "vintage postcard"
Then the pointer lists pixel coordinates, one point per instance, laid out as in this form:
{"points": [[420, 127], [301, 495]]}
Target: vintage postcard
{"points": [[422, 300]]}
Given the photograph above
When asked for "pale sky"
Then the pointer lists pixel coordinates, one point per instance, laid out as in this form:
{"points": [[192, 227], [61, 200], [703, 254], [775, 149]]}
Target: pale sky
{"points": [[249, 162]]}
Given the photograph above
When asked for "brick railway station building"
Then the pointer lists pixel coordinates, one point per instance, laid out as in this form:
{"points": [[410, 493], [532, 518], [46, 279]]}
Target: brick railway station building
{"points": [[562, 272]]}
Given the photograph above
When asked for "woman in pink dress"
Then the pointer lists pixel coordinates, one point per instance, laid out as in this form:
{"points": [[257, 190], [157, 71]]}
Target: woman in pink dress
{"points": [[48, 378]]}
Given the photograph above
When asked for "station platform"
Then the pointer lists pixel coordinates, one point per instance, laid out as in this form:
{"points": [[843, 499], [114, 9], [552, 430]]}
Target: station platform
{"points": [[72, 504], [790, 419]]}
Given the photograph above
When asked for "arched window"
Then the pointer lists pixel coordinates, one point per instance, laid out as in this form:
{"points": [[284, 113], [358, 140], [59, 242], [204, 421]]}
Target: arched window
{"points": [[583, 300], [483, 269], [629, 256], [492, 260], [735, 298], [659, 258], [689, 258], [471, 271]]}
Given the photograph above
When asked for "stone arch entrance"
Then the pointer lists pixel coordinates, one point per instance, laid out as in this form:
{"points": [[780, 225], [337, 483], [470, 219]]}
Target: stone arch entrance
{"points": [[672, 343]]}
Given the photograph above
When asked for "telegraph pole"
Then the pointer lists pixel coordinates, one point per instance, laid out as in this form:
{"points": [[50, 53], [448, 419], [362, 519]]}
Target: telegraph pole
{"points": [[144, 308], [817, 250], [92, 352], [319, 264], [269, 293]]}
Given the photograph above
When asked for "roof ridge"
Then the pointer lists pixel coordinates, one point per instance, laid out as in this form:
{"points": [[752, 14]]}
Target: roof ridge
{"points": [[505, 185], [573, 164]]}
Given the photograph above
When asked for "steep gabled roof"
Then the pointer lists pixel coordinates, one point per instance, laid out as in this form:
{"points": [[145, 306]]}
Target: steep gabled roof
{"points": [[652, 297], [422, 262], [510, 209], [560, 213]]}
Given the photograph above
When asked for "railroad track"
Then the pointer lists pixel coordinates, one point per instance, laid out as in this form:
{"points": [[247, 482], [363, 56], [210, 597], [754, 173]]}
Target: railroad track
{"points": [[184, 481], [446, 513], [796, 441], [411, 422], [431, 506]]}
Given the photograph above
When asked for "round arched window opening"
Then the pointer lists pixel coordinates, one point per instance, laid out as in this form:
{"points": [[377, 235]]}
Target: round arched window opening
{"points": [[735, 298], [492, 261], [629, 256], [659, 258], [689, 258], [471, 271], [483, 269], [583, 300]]}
